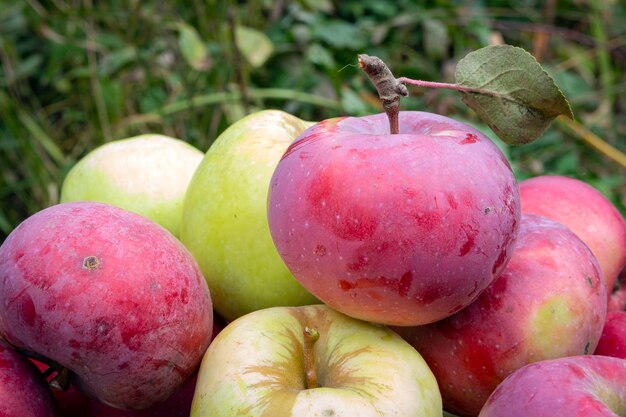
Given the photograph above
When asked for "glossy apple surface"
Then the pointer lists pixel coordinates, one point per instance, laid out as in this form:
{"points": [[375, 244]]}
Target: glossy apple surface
{"points": [[108, 294], [549, 302], [613, 340], [397, 229], [225, 216], [579, 386], [587, 212], [257, 367], [146, 174], [23, 391]]}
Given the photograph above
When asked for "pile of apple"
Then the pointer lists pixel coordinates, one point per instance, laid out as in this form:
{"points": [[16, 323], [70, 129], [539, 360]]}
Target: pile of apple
{"points": [[352, 272]]}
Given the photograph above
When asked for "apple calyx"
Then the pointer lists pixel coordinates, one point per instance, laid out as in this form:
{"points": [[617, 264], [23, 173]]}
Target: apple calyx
{"points": [[389, 88], [311, 335]]}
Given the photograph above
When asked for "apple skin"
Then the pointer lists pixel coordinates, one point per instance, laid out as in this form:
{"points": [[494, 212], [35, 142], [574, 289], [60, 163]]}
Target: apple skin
{"points": [[225, 216], [613, 340], [146, 174], [401, 229], [549, 302], [255, 367], [108, 294], [587, 212], [73, 403], [23, 391], [579, 386]]}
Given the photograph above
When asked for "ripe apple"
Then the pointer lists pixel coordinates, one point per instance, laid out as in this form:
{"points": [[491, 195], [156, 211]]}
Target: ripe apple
{"points": [[613, 340], [73, 403], [312, 361], [146, 174], [579, 386], [23, 391], [401, 229], [549, 302], [225, 216], [109, 295], [586, 211]]}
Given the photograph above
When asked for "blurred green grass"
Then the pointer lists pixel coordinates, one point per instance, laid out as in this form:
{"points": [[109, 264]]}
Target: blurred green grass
{"points": [[76, 74]]}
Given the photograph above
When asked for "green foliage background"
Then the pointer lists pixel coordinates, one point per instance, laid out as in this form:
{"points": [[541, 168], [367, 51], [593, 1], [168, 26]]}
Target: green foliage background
{"points": [[76, 74]]}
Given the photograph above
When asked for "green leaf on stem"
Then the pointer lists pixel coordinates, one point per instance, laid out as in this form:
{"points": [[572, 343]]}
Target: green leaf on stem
{"points": [[511, 92]]}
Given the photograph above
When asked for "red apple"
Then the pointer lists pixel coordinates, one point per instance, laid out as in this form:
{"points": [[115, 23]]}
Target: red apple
{"points": [[549, 302], [398, 229], [613, 340], [109, 295], [584, 210], [23, 391], [579, 386], [73, 403]]}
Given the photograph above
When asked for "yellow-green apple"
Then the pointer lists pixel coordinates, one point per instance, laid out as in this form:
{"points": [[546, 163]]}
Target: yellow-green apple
{"points": [[225, 216], [23, 391], [613, 340], [549, 302], [579, 386], [312, 361], [401, 228], [146, 174], [109, 295], [584, 210]]}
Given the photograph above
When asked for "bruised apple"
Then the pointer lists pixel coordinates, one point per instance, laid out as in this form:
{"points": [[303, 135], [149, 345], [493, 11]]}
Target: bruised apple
{"points": [[109, 295], [401, 229]]}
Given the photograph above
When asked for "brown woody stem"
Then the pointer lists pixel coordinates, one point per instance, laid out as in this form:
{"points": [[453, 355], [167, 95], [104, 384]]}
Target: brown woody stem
{"points": [[311, 335], [389, 88]]}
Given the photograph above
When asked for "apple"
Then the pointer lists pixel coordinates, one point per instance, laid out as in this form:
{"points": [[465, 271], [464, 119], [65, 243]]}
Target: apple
{"points": [[586, 211], [146, 174], [401, 229], [312, 361], [23, 391], [73, 403], [613, 340], [549, 302], [109, 295], [579, 386], [225, 216]]}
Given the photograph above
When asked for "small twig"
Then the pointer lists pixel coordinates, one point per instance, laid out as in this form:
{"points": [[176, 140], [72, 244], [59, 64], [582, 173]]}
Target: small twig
{"points": [[311, 335], [389, 88]]}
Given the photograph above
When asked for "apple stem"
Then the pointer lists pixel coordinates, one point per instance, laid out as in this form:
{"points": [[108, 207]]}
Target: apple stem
{"points": [[389, 88], [311, 335]]}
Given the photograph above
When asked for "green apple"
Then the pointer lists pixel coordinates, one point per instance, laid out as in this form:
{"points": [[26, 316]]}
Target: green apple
{"points": [[312, 361], [145, 174], [225, 216]]}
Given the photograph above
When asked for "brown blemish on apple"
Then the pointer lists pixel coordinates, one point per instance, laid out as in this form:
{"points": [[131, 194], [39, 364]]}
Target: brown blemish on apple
{"points": [[91, 263]]}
